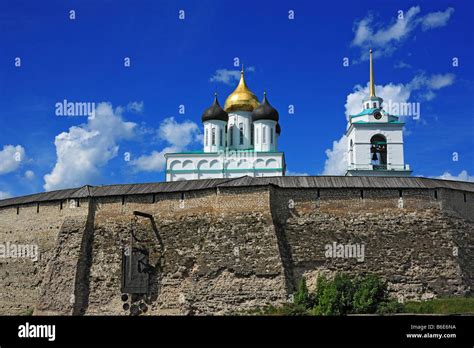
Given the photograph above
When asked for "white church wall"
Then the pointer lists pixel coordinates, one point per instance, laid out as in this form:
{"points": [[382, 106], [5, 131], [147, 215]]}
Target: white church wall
{"points": [[220, 135], [235, 119], [264, 140], [188, 166]]}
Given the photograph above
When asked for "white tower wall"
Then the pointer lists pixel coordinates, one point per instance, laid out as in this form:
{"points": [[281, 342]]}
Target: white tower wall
{"points": [[237, 118], [265, 138], [219, 142]]}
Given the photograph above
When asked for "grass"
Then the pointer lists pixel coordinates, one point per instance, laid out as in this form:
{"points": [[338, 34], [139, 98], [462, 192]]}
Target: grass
{"points": [[450, 305]]}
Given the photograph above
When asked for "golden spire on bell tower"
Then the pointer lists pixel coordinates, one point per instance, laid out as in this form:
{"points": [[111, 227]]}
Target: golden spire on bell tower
{"points": [[372, 84]]}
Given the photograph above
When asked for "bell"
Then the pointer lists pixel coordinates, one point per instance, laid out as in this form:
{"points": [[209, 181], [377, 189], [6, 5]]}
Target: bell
{"points": [[374, 157]]}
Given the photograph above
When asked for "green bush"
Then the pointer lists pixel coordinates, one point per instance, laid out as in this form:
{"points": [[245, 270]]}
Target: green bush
{"points": [[333, 297], [370, 292], [302, 297], [340, 296], [389, 307]]}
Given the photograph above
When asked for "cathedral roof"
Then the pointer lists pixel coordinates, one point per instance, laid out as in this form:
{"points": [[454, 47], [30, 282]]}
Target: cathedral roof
{"points": [[241, 99], [265, 111], [215, 112]]}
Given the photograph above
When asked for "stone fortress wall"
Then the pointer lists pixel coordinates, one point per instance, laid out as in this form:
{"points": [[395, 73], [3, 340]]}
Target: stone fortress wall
{"points": [[221, 246]]}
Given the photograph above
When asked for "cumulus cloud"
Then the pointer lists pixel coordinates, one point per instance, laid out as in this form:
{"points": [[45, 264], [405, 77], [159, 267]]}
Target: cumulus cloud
{"points": [[11, 157], [462, 176], [4, 195], [399, 93], [29, 175], [385, 39], [178, 135], [229, 77], [336, 162], [84, 149]]}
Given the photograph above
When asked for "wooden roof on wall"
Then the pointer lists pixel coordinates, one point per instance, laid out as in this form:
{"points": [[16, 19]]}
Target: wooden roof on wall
{"points": [[359, 182]]}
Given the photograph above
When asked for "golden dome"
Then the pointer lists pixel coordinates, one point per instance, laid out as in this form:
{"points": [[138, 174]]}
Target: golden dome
{"points": [[241, 99]]}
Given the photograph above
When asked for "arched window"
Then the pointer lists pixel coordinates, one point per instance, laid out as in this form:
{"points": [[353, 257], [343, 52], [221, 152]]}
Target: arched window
{"points": [[231, 130], [256, 134], [213, 137], [264, 138], [271, 135], [251, 134], [375, 105], [220, 137], [207, 137], [378, 150], [241, 133]]}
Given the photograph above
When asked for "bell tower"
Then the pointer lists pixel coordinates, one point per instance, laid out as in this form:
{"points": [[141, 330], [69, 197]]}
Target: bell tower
{"points": [[375, 139]]}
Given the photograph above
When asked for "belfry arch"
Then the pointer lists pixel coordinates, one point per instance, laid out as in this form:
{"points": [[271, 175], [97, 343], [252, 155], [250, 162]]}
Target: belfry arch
{"points": [[378, 151]]}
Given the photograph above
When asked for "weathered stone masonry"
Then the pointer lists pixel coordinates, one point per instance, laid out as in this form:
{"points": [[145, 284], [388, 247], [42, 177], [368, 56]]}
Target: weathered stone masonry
{"points": [[230, 245]]}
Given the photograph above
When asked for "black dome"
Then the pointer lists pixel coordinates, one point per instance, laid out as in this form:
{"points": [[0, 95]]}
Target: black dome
{"points": [[265, 111], [215, 112]]}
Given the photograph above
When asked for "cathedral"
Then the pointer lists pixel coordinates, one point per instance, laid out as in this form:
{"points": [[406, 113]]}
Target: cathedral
{"points": [[375, 139], [240, 139]]}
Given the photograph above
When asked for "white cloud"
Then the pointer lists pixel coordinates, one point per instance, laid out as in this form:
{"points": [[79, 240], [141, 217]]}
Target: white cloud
{"points": [[385, 39], [290, 173], [4, 195], [11, 157], [84, 149], [462, 176], [399, 93], [178, 135], [229, 77], [437, 19], [29, 175], [135, 107], [402, 65], [225, 76], [336, 162]]}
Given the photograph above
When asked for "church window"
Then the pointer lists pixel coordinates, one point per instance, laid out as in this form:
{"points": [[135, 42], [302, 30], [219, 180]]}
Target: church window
{"points": [[264, 138], [220, 137], [256, 134], [213, 141], [375, 105], [207, 136], [241, 133], [271, 135], [231, 130], [251, 134]]}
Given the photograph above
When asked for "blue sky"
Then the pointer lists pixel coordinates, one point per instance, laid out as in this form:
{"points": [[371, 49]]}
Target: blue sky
{"points": [[173, 61]]}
